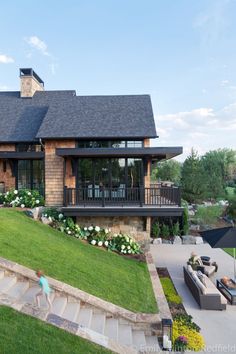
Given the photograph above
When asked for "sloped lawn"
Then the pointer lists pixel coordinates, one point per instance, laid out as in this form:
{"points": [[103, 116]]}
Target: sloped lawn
{"points": [[23, 334], [120, 280]]}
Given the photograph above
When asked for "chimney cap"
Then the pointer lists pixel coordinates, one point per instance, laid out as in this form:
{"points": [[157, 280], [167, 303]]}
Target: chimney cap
{"points": [[30, 72]]}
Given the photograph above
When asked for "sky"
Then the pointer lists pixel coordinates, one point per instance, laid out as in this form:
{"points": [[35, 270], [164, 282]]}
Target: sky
{"points": [[181, 52]]}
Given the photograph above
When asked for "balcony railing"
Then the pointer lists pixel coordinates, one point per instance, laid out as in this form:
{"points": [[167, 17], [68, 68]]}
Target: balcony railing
{"points": [[139, 196]]}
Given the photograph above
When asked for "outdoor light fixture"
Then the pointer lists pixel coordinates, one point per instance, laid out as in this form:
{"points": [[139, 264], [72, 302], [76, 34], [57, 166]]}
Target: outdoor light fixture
{"points": [[166, 333]]}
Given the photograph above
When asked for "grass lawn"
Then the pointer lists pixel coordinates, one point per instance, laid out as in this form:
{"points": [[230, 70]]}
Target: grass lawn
{"points": [[120, 280], [230, 251], [23, 334]]}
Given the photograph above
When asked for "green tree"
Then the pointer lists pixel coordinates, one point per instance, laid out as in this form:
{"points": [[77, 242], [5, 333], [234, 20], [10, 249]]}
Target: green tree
{"points": [[193, 179], [168, 171], [219, 165]]}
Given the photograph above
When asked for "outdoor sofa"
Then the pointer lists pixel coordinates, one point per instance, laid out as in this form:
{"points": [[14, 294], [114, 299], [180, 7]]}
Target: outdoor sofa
{"points": [[204, 291]]}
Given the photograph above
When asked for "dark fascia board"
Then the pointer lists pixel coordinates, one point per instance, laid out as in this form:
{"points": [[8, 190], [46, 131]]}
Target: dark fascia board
{"points": [[98, 137], [122, 211], [14, 155], [153, 152]]}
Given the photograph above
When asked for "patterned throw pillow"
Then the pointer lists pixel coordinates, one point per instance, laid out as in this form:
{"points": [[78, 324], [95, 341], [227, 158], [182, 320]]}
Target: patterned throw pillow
{"points": [[201, 277]]}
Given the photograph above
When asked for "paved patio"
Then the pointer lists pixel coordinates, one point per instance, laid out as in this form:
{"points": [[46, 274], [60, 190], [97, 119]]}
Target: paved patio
{"points": [[218, 327]]}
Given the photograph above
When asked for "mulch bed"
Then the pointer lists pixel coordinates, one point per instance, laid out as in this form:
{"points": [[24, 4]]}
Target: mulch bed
{"points": [[175, 309]]}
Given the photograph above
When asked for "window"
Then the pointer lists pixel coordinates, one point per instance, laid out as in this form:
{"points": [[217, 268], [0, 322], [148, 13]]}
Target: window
{"points": [[25, 147], [30, 175], [110, 143]]}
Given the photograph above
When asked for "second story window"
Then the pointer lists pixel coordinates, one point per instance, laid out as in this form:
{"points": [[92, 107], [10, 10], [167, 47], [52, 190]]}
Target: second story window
{"points": [[110, 144], [28, 147]]}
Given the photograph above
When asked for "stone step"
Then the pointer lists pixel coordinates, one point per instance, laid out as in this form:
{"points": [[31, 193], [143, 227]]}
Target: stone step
{"points": [[84, 317], [59, 305], [6, 283], [29, 296], [98, 322], [1, 273], [18, 289], [111, 328], [125, 335], [152, 344], [71, 311], [139, 341]]}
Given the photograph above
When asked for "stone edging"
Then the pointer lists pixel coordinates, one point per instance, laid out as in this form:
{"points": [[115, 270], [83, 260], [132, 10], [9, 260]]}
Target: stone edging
{"points": [[163, 307], [82, 295]]}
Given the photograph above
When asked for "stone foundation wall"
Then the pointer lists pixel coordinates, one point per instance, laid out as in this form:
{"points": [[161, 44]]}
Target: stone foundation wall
{"points": [[6, 177], [136, 226], [54, 172]]}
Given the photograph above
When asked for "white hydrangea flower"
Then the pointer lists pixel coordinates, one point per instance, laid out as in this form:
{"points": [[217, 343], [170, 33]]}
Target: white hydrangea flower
{"points": [[93, 242], [106, 231], [129, 251], [106, 243], [90, 228], [15, 191], [50, 219], [115, 235], [67, 228], [22, 206], [37, 201], [85, 228], [128, 247], [7, 193], [100, 243], [125, 251], [60, 216], [97, 228], [29, 193], [122, 247], [69, 232]]}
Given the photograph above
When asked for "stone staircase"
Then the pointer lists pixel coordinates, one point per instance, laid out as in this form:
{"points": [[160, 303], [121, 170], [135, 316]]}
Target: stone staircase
{"points": [[82, 318]]}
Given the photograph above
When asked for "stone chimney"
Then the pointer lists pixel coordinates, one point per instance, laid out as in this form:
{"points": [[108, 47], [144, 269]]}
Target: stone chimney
{"points": [[30, 82]]}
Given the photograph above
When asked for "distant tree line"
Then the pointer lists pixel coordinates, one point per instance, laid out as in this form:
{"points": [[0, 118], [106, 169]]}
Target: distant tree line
{"points": [[201, 178]]}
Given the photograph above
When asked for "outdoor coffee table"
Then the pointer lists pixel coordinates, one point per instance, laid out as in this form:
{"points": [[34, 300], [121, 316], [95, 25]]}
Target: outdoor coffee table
{"points": [[229, 293]]}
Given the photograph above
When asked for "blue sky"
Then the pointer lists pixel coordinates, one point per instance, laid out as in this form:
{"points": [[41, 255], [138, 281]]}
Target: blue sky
{"points": [[183, 53]]}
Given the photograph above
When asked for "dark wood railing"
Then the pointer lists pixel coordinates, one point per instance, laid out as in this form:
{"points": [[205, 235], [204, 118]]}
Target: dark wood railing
{"points": [[139, 196]]}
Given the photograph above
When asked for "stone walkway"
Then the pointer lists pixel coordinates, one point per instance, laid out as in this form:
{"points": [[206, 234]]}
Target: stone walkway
{"points": [[80, 313], [218, 327]]}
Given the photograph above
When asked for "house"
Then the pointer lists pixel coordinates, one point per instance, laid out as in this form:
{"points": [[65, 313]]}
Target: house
{"points": [[89, 155]]}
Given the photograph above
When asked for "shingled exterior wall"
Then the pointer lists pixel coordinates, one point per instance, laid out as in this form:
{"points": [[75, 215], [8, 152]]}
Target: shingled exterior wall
{"points": [[54, 172], [6, 177]]}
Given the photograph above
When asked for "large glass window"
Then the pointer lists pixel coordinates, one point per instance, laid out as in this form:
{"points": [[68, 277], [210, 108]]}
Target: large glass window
{"points": [[109, 173], [31, 175]]}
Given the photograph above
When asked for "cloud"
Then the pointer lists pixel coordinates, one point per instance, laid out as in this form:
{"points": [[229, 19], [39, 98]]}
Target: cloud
{"points": [[202, 128], [212, 21], [38, 44], [5, 59], [4, 87]]}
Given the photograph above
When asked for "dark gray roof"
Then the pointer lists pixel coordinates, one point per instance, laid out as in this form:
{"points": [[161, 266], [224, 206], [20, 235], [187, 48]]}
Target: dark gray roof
{"points": [[62, 114]]}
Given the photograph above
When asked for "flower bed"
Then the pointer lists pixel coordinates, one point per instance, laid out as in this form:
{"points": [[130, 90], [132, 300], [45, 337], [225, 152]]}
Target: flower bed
{"points": [[186, 333], [23, 198], [95, 235]]}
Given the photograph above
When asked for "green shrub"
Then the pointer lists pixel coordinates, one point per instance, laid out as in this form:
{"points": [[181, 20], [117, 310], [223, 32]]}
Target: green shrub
{"points": [[185, 222], [156, 230], [183, 326], [208, 215], [23, 198], [165, 231], [169, 291], [175, 230]]}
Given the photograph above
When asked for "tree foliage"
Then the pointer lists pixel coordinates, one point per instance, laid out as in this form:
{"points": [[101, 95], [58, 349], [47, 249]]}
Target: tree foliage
{"points": [[169, 170], [193, 178]]}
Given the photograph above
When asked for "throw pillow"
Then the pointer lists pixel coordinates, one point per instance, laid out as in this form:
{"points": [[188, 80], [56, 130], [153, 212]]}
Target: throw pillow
{"points": [[201, 277]]}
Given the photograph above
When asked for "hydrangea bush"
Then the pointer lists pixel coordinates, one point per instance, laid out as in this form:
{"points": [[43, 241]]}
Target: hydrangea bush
{"points": [[95, 235], [23, 198]]}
